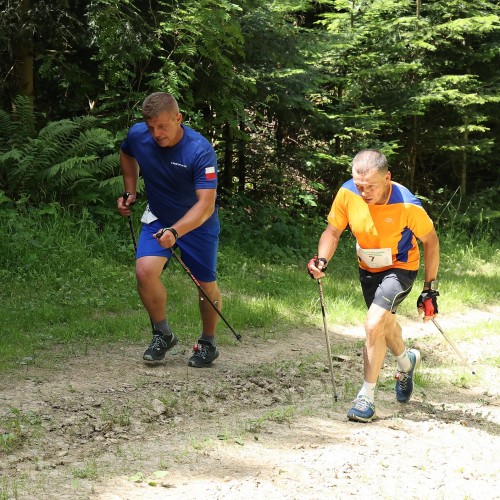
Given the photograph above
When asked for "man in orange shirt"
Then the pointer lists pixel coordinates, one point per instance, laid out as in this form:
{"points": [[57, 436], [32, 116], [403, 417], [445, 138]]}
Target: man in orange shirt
{"points": [[386, 220]]}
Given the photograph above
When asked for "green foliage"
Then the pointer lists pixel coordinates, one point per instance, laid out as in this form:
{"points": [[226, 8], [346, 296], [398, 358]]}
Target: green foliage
{"points": [[20, 124], [88, 471], [180, 47], [52, 37], [16, 427], [279, 415], [261, 228], [468, 219], [65, 162], [287, 91], [68, 283], [393, 66]]}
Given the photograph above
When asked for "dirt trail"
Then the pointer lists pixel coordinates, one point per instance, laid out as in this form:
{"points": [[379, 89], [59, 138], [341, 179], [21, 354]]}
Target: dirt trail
{"points": [[261, 423]]}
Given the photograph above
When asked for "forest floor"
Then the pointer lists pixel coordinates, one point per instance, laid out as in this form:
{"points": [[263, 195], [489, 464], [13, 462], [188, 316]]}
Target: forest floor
{"points": [[261, 423]]}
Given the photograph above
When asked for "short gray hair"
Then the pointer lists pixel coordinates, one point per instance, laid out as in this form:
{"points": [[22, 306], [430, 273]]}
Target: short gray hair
{"points": [[157, 103], [370, 159]]}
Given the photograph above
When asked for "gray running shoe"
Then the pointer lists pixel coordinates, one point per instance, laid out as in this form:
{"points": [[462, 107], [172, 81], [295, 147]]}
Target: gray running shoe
{"points": [[204, 354], [159, 346]]}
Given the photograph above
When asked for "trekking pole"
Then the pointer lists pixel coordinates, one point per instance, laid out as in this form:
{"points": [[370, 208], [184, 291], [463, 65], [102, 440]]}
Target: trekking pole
{"points": [[196, 282], [132, 232], [322, 301], [460, 355], [134, 240], [130, 223]]}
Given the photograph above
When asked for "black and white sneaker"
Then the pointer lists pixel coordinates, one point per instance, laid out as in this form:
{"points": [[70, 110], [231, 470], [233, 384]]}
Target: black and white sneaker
{"points": [[204, 354], [159, 346]]}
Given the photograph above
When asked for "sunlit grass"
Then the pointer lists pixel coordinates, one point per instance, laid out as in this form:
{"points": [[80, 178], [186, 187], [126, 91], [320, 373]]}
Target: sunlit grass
{"points": [[280, 415], [481, 329], [69, 284], [89, 470]]}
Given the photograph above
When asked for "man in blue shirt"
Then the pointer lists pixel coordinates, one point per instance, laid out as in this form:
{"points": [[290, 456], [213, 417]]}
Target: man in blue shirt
{"points": [[179, 168]]}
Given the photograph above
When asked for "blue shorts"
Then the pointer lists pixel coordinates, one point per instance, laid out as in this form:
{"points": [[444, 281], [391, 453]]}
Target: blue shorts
{"points": [[198, 249], [388, 288]]}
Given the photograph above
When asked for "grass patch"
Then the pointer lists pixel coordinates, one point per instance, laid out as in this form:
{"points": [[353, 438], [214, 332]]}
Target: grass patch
{"points": [[17, 427], [88, 471], [69, 284], [279, 415], [424, 378], [10, 488], [464, 380], [112, 416]]}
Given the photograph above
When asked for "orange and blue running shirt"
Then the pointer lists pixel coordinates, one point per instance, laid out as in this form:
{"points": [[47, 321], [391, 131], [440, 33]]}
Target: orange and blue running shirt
{"points": [[385, 234]]}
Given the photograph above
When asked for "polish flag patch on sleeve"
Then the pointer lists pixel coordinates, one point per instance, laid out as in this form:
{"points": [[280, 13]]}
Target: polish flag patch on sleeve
{"points": [[210, 173]]}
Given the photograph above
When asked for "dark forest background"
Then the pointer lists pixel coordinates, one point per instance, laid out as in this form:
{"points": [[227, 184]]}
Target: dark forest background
{"points": [[287, 91]]}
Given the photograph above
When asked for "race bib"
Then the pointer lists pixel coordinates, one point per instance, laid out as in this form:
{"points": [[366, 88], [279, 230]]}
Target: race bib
{"points": [[375, 257], [148, 216]]}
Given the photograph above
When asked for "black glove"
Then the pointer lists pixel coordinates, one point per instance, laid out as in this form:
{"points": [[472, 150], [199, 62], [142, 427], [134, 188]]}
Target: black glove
{"points": [[315, 262], [427, 303]]}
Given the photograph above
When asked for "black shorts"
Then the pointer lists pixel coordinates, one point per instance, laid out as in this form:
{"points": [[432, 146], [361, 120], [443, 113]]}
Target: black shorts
{"points": [[388, 288]]}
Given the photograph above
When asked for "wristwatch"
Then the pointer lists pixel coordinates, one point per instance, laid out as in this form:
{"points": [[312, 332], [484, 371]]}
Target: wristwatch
{"points": [[432, 285]]}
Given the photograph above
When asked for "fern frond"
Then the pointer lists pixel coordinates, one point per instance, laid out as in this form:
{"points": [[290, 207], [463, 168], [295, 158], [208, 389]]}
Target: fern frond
{"points": [[85, 122], [60, 135], [23, 116], [108, 166], [69, 170], [5, 131], [91, 140], [65, 162], [10, 157]]}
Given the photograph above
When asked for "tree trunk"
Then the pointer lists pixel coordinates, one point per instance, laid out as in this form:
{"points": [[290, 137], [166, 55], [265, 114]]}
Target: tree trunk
{"points": [[413, 154], [279, 136], [414, 135], [463, 158], [338, 143], [23, 57], [227, 182], [242, 163]]}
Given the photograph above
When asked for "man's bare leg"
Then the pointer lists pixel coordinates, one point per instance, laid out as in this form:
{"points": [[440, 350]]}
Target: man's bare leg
{"points": [[154, 297], [150, 287], [209, 316]]}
